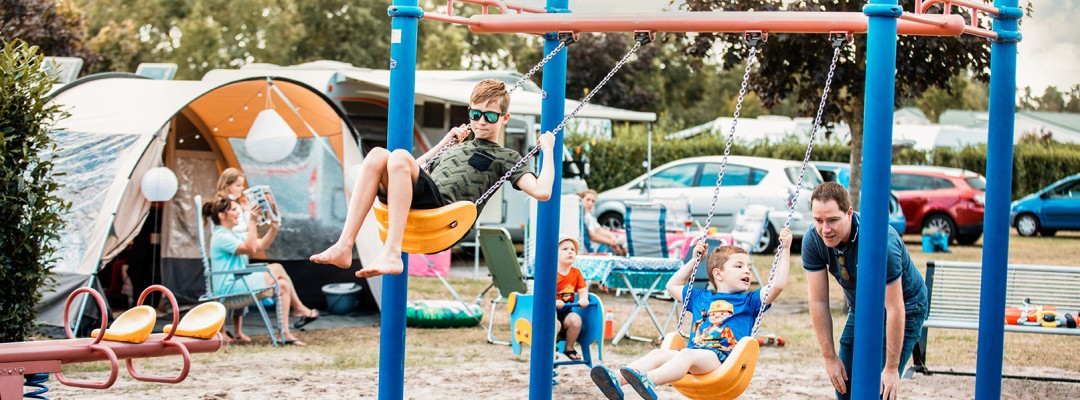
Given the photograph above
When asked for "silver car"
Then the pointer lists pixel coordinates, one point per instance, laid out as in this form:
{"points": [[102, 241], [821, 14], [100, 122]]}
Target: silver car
{"points": [[747, 181]]}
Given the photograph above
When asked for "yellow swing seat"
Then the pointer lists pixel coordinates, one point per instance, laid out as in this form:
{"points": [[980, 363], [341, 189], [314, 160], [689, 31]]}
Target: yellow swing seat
{"points": [[727, 382], [133, 326], [433, 230]]}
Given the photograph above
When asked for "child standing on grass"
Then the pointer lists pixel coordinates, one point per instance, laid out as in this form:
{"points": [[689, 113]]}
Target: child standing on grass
{"points": [[463, 172], [568, 282], [729, 271]]}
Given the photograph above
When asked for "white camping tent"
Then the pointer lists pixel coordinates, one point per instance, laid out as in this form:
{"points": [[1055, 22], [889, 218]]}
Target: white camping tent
{"points": [[121, 126]]}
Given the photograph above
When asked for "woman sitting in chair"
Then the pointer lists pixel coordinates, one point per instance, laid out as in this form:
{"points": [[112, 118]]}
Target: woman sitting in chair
{"points": [[597, 233], [229, 251]]}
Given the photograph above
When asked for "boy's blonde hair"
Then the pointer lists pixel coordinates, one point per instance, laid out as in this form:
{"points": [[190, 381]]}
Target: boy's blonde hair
{"points": [[489, 90], [719, 257]]}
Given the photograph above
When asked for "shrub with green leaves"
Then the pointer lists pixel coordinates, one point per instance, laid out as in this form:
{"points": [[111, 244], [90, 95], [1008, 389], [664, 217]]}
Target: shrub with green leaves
{"points": [[30, 210]]}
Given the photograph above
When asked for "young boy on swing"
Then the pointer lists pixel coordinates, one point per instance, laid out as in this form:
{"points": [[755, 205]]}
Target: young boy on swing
{"points": [[728, 307], [463, 172]]}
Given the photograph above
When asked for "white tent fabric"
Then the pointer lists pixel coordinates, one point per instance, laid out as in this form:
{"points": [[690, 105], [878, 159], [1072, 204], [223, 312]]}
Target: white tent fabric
{"points": [[117, 130]]}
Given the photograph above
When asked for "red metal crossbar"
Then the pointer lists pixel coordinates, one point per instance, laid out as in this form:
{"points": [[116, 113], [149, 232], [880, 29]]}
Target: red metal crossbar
{"points": [[922, 6]]}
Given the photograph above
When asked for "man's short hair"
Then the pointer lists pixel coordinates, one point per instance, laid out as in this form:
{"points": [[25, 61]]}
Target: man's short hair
{"points": [[489, 90], [832, 191]]}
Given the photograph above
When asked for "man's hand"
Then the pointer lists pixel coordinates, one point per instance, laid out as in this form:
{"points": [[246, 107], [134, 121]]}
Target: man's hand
{"points": [[547, 141], [837, 373], [890, 384]]}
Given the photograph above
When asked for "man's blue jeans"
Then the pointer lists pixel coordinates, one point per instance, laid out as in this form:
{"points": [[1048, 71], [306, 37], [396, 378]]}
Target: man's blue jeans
{"points": [[913, 323]]}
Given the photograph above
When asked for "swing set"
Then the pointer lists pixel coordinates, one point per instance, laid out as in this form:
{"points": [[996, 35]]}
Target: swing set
{"points": [[435, 230]]}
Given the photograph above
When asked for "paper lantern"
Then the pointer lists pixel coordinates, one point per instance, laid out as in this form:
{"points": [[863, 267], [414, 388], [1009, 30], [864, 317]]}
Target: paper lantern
{"points": [[270, 138], [159, 184]]}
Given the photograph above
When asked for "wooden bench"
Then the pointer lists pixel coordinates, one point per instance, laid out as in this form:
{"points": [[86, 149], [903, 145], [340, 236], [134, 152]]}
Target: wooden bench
{"points": [[954, 292]]}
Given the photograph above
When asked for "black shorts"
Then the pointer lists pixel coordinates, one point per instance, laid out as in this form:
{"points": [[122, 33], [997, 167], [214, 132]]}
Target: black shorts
{"points": [[425, 193]]}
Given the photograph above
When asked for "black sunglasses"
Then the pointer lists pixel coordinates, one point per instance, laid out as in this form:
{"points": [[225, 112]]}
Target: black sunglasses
{"points": [[490, 116]]}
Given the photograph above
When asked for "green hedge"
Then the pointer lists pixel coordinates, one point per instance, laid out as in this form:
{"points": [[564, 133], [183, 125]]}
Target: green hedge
{"points": [[615, 162]]}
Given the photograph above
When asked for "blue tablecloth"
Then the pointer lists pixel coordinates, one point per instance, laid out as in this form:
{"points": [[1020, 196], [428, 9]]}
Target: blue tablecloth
{"points": [[640, 270]]}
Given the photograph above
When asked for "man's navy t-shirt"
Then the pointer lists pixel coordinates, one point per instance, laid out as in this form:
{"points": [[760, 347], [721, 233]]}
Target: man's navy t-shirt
{"points": [[816, 257]]}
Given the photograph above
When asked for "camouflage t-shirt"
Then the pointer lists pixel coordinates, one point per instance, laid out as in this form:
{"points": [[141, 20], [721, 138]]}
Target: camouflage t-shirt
{"points": [[465, 171]]}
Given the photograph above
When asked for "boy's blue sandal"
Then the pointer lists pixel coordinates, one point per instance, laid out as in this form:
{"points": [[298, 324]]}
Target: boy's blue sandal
{"points": [[640, 382], [607, 382]]}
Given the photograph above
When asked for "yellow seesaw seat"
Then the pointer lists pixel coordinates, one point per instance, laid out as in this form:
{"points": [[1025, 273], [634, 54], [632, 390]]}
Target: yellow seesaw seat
{"points": [[726, 382], [202, 322], [133, 326]]}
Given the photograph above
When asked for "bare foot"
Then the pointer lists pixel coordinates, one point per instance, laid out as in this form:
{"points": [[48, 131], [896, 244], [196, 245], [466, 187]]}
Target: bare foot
{"points": [[388, 263], [339, 255], [242, 338]]}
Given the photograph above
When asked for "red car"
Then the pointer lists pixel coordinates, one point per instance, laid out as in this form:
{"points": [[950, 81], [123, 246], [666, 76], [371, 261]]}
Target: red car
{"points": [[949, 199]]}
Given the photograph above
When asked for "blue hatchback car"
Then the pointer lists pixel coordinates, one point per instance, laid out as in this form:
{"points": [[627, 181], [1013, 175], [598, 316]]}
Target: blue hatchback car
{"points": [[841, 173], [1054, 208]]}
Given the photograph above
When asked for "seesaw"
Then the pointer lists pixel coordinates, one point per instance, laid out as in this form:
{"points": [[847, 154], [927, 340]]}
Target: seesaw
{"points": [[128, 338]]}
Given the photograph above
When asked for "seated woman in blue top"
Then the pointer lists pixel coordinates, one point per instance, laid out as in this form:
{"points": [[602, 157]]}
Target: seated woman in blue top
{"points": [[229, 251]]}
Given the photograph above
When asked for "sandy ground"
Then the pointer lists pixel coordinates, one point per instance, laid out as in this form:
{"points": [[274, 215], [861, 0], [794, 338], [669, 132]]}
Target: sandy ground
{"points": [[492, 371]]}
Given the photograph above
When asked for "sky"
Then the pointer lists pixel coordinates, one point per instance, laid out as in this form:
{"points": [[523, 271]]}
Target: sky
{"points": [[1046, 56]]}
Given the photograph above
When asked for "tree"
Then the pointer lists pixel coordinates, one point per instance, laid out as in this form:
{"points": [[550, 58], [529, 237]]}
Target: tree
{"points": [[56, 28], [1051, 100], [196, 35], [962, 94], [355, 32], [29, 208], [796, 65]]}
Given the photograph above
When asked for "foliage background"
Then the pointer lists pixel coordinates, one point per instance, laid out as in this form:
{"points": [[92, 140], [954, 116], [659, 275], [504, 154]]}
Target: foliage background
{"points": [[29, 209]]}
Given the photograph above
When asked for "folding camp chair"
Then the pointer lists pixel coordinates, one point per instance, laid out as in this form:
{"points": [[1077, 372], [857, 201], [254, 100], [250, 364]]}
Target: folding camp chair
{"points": [[240, 295], [646, 230], [506, 276]]}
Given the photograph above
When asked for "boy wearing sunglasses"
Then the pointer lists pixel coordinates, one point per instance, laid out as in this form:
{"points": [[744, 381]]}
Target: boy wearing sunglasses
{"points": [[462, 173]]}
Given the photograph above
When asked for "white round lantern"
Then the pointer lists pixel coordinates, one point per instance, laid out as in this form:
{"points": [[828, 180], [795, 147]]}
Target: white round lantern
{"points": [[159, 184], [270, 138]]}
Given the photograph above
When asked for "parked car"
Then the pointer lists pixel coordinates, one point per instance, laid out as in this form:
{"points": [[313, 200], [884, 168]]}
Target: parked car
{"points": [[950, 200], [1051, 209], [747, 180], [841, 173]]}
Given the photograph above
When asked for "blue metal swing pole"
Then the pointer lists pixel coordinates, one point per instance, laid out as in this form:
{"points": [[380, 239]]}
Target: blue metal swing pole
{"points": [[404, 16], [999, 161], [877, 158], [547, 222]]}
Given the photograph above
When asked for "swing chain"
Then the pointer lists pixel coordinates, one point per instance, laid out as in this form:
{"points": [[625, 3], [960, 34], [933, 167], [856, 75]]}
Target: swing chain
{"points": [[798, 186], [566, 119], [720, 175], [565, 39]]}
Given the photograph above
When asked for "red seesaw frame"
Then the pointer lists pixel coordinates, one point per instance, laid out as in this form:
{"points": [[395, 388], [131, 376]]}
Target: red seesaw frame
{"points": [[17, 359]]}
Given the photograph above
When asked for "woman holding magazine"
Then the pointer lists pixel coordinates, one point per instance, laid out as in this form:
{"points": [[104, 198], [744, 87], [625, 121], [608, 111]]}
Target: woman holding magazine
{"points": [[232, 248]]}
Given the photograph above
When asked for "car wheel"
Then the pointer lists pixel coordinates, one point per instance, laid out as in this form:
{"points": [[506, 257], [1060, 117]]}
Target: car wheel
{"points": [[942, 223], [1027, 225], [1048, 232], [968, 239], [768, 241], [611, 220]]}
